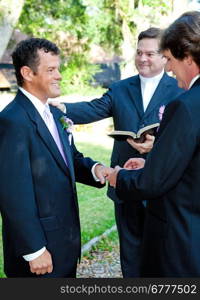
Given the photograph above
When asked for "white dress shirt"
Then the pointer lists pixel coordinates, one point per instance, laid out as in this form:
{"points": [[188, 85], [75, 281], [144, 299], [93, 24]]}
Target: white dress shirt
{"points": [[193, 80], [41, 107], [148, 87]]}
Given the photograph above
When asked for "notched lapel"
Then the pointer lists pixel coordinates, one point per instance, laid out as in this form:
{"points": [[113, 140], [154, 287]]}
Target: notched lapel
{"points": [[65, 141], [135, 94], [41, 129]]}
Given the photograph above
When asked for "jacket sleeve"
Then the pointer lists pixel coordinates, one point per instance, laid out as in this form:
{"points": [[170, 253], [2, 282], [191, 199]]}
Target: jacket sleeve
{"points": [[91, 111], [82, 168], [17, 202], [165, 165]]}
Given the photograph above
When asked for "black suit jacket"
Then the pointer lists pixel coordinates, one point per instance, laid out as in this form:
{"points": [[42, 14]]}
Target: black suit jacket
{"points": [[171, 182], [123, 102], [37, 190]]}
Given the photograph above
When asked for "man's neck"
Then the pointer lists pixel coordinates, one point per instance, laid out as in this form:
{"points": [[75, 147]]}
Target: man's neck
{"points": [[34, 94]]}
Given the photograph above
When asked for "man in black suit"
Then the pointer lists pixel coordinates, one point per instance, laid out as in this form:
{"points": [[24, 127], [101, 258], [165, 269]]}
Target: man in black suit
{"points": [[133, 103], [38, 168], [170, 179]]}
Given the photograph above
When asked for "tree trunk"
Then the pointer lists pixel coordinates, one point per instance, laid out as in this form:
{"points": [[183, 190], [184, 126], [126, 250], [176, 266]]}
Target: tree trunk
{"points": [[9, 14], [127, 51]]}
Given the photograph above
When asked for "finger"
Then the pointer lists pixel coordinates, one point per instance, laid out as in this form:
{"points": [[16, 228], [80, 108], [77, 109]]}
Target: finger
{"points": [[102, 179], [150, 137], [127, 162], [127, 165], [43, 271], [131, 142], [50, 269]]}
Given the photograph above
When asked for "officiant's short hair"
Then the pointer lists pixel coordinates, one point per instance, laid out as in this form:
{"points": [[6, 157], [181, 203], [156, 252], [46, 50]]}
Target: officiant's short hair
{"points": [[150, 33], [26, 54], [182, 37]]}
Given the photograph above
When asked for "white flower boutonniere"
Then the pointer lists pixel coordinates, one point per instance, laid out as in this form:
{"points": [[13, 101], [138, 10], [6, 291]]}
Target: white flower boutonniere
{"points": [[160, 114], [161, 111], [67, 124]]}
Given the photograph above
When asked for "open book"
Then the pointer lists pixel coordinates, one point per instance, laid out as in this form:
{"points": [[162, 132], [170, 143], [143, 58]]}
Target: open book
{"points": [[139, 136]]}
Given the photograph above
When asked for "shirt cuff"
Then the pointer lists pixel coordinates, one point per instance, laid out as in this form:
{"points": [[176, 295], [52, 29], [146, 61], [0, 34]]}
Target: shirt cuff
{"points": [[34, 255], [93, 173], [64, 108]]}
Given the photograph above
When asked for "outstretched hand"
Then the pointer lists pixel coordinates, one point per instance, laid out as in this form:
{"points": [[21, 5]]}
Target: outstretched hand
{"points": [[59, 105], [143, 147], [135, 163], [102, 172], [112, 177]]}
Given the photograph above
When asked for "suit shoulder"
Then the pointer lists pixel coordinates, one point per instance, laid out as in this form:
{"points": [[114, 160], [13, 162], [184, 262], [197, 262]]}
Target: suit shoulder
{"points": [[13, 116], [124, 82]]}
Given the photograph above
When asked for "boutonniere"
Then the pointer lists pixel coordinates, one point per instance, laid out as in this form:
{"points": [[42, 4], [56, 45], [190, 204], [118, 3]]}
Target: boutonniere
{"points": [[160, 114], [161, 111], [67, 124]]}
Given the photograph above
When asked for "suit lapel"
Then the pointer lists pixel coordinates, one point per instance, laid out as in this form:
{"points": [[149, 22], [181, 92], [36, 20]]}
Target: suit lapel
{"points": [[64, 137], [158, 95], [41, 128], [135, 94]]}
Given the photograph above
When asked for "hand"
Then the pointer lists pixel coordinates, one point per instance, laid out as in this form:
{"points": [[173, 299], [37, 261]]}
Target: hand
{"points": [[102, 172], [134, 163], [59, 105], [42, 264], [143, 147], [112, 178]]}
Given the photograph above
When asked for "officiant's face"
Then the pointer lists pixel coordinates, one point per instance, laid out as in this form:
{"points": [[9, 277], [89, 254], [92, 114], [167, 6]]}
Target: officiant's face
{"points": [[148, 61], [45, 80]]}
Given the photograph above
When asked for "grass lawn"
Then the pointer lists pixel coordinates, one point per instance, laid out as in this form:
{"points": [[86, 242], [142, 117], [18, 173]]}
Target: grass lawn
{"points": [[96, 210]]}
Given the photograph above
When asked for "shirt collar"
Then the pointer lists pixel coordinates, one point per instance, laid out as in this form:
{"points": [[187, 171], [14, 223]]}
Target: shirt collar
{"points": [[154, 79], [193, 80], [35, 101]]}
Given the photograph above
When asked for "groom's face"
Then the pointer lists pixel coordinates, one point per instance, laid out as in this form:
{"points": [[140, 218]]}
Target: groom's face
{"points": [[46, 78]]}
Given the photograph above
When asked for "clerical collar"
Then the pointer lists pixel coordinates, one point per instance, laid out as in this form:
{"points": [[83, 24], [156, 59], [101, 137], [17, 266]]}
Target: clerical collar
{"points": [[156, 78]]}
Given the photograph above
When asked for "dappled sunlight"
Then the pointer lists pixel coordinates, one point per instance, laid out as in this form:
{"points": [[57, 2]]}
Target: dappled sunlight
{"points": [[93, 138]]}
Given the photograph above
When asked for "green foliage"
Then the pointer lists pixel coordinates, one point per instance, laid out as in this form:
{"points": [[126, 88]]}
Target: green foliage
{"points": [[77, 73], [45, 17], [65, 23], [77, 24], [162, 5], [108, 243], [105, 24], [96, 209]]}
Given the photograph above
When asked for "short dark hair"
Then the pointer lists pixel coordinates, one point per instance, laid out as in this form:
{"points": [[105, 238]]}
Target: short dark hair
{"points": [[26, 54], [150, 33], [182, 37]]}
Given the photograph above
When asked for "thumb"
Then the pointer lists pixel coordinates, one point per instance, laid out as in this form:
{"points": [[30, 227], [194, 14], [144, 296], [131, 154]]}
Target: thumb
{"points": [[102, 179], [150, 137]]}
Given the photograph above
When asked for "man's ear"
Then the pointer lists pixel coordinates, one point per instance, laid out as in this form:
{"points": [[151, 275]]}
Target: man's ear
{"points": [[27, 73], [189, 60]]}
